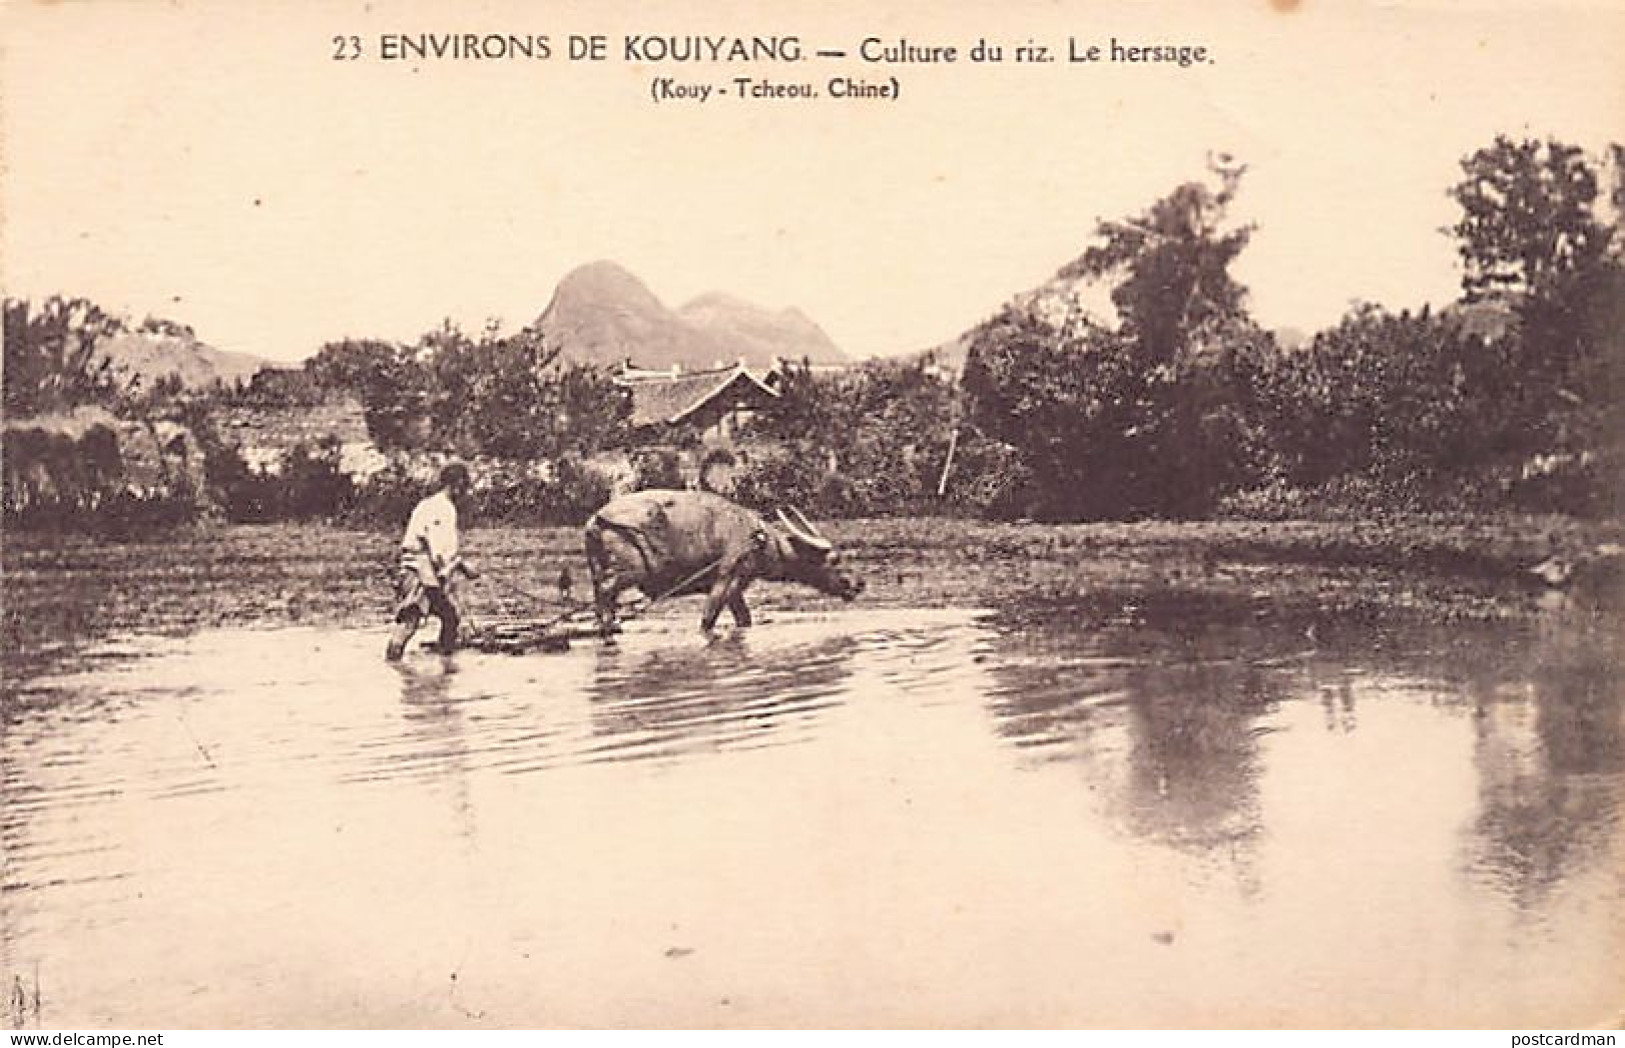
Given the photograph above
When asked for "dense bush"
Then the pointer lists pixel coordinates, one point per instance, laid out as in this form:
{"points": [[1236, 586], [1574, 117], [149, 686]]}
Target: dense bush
{"points": [[504, 491], [1175, 405], [988, 479], [387, 497], [275, 388], [1098, 436], [1392, 396], [56, 481], [869, 441], [1513, 398], [1150, 417], [657, 467], [122, 515], [501, 396], [576, 493], [308, 485], [784, 475], [313, 486]]}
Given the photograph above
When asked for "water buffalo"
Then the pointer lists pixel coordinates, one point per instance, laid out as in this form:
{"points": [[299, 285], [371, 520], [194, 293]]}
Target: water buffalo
{"points": [[668, 543]]}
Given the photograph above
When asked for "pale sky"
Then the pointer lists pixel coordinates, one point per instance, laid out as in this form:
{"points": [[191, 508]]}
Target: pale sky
{"points": [[211, 163]]}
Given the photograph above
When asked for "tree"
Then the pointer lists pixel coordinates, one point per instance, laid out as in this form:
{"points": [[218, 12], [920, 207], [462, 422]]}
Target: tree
{"points": [[512, 397], [1173, 268], [870, 440], [1528, 223], [811, 407], [149, 401], [1051, 391], [1150, 416], [1409, 400], [50, 355], [501, 396], [274, 387], [351, 365], [1534, 231], [589, 411]]}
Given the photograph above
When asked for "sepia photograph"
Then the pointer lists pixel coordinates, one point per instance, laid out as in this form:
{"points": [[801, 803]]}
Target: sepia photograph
{"points": [[1049, 514]]}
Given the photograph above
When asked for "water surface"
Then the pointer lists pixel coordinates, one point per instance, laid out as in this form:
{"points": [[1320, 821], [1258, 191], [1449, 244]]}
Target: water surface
{"points": [[1126, 813]]}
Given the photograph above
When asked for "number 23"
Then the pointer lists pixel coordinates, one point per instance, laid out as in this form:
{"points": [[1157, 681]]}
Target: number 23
{"points": [[346, 48]]}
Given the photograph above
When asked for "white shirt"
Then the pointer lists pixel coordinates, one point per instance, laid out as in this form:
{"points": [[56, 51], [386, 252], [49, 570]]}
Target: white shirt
{"points": [[432, 529]]}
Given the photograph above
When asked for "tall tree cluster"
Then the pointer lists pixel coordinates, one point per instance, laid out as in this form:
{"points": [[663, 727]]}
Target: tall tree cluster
{"points": [[1175, 404], [1516, 395], [51, 362], [1144, 416], [501, 396]]}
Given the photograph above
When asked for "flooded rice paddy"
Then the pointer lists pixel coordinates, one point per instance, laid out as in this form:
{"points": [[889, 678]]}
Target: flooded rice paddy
{"points": [[1108, 808]]}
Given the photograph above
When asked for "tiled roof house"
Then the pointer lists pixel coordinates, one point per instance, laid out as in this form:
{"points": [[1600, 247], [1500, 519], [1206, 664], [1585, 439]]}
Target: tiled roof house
{"points": [[718, 402]]}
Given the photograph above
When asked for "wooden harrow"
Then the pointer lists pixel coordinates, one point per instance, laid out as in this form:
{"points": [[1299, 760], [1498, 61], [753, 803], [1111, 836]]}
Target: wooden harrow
{"points": [[512, 636], [523, 638]]}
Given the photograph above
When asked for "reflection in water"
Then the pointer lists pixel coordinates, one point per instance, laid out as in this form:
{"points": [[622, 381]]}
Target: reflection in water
{"points": [[1143, 809], [435, 732], [1193, 755], [1549, 750], [675, 699], [1157, 704], [1162, 707], [1337, 703]]}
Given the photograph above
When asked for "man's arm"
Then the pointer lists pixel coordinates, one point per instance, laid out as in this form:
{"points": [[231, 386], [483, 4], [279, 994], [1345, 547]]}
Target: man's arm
{"points": [[443, 550]]}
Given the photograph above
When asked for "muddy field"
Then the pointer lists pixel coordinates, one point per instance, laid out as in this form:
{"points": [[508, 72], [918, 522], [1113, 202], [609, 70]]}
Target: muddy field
{"points": [[1120, 775], [62, 591]]}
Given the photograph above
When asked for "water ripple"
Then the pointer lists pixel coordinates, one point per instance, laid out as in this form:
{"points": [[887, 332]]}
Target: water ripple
{"points": [[962, 777]]}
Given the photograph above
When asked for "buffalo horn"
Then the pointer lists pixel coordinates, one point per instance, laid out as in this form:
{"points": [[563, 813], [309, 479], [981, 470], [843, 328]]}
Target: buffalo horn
{"points": [[801, 532], [807, 526]]}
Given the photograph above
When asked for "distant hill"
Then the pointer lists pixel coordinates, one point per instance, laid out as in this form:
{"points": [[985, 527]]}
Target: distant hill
{"points": [[150, 354], [1055, 299], [950, 355], [602, 314], [759, 334]]}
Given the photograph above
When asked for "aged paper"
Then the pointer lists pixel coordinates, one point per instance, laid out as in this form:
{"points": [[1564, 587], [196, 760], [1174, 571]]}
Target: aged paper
{"points": [[942, 809]]}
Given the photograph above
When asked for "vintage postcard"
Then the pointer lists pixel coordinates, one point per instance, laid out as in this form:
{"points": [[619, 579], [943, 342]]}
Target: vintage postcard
{"points": [[790, 515]]}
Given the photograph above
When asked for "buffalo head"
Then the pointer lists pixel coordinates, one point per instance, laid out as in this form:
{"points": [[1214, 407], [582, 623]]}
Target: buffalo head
{"points": [[813, 559]]}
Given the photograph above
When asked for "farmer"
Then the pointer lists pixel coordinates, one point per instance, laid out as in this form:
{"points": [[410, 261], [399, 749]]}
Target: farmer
{"points": [[429, 560]]}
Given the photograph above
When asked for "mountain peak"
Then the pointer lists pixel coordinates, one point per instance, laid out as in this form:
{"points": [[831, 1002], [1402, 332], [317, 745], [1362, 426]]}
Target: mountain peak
{"points": [[605, 283], [603, 272], [602, 314]]}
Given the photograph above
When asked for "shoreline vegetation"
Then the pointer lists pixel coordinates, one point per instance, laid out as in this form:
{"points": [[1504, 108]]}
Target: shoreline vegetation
{"points": [[65, 591], [1411, 466], [1133, 385]]}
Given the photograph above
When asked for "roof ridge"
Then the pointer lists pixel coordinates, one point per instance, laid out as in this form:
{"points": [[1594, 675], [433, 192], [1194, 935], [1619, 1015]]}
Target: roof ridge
{"points": [[719, 387]]}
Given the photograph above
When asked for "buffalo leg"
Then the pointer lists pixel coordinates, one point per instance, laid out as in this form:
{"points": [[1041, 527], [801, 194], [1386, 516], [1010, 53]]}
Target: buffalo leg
{"points": [[606, 585], [723, 594], [606, 598]]}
